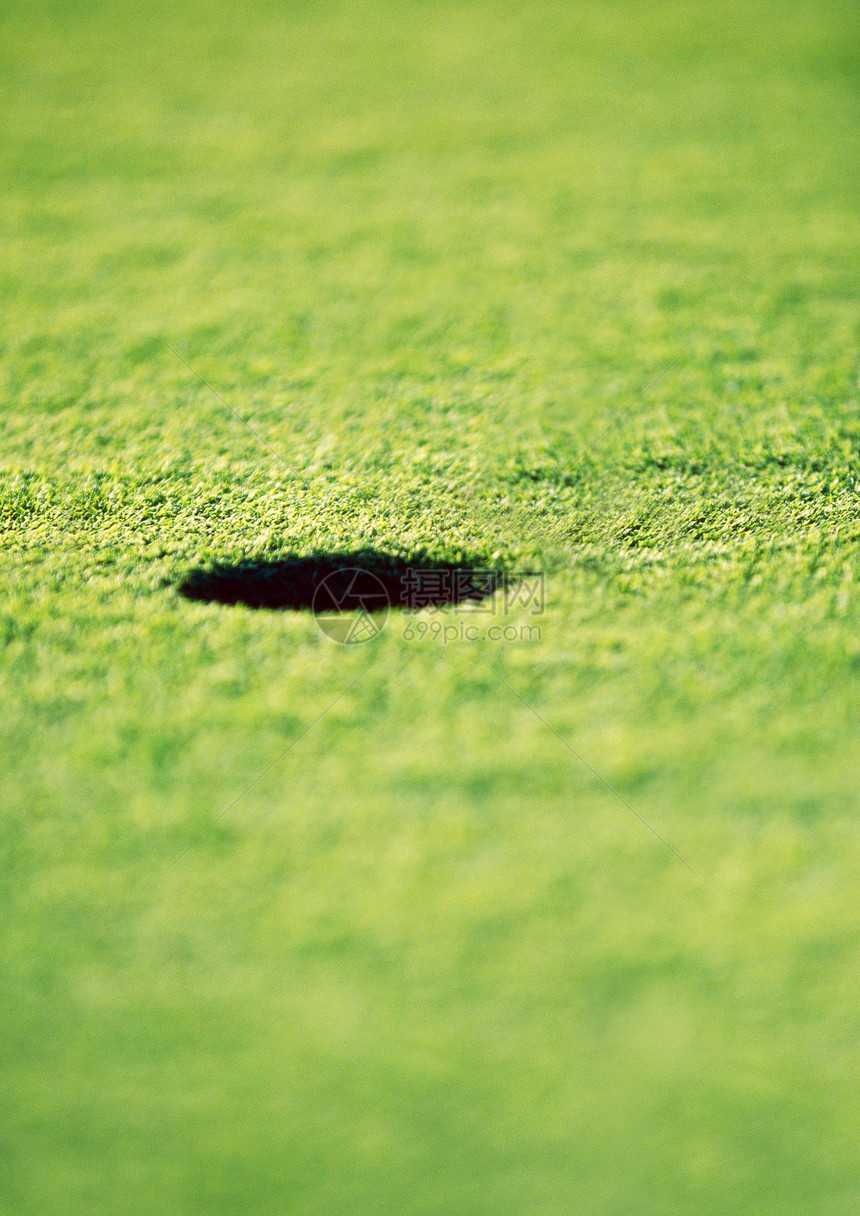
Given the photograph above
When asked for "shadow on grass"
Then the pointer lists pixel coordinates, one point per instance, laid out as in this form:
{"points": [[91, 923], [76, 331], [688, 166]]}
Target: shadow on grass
{"points": [[365, 580]]}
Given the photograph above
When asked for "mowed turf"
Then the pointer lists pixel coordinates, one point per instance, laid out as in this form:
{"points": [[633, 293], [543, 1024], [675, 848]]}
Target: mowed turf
{"points": [[556, 926]]}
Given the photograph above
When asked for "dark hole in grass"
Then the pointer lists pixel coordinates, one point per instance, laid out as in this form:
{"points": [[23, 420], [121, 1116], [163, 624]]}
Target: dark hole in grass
{"points": [[366, 580]]}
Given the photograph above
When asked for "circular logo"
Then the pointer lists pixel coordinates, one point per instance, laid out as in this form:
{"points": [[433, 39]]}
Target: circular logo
{"points": [[351, 606]]}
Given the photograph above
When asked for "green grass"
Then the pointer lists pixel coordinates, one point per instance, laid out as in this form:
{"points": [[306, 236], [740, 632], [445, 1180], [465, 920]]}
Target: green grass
{"points": [[429, 961]]}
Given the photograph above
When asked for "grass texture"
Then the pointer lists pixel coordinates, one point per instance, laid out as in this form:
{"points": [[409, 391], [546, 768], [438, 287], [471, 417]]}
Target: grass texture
{"points": [[557, 925]]}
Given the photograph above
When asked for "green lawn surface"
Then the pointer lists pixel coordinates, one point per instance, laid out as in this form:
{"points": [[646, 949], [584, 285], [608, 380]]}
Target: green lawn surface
{"points": [[563, 925]]}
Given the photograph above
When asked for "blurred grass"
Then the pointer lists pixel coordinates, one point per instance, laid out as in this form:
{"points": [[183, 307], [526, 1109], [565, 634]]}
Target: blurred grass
{"points": [[427, 962]]}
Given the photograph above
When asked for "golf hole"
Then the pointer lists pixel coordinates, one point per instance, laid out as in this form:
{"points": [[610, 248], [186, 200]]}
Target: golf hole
{"points": [[350, 594]]}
